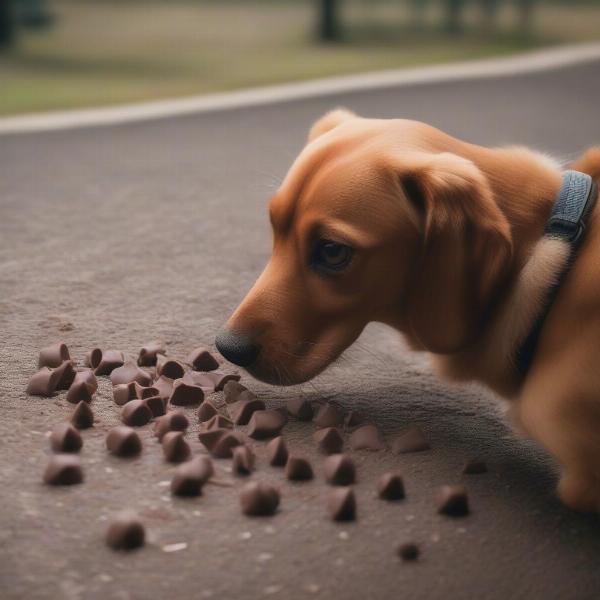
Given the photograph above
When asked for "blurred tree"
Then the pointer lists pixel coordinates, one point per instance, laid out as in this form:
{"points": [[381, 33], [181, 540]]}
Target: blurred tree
{"points": [[525, 9], [490, 12], [329, 27], [418, 13], [453, 15], [8, 23]]}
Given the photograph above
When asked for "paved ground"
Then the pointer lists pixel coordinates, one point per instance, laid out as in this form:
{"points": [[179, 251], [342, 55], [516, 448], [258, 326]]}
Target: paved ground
{"points": [[119, 235]]}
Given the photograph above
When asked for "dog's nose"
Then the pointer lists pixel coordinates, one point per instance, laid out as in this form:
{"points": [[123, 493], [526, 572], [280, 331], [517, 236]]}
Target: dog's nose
{"points": [[237, 348]]}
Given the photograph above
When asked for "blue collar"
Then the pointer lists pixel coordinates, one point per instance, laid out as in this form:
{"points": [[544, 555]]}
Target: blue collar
{"points": [[573, 206]]}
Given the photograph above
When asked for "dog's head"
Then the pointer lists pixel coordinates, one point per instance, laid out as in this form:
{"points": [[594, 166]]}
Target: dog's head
{"points": [[373, 222]]}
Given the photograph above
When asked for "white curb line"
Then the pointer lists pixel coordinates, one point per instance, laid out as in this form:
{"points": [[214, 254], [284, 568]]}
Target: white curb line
{"points": [[531, 62]]}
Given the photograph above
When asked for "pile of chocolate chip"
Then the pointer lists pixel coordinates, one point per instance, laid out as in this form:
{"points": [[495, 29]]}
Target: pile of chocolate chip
{"points": [[155, 385]]}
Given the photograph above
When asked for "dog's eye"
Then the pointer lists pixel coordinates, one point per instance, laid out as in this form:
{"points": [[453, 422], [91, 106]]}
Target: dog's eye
{"points": [[331, 256]]}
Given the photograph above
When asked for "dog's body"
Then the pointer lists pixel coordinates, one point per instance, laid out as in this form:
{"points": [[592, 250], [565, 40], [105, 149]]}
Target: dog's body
{"points": [[395, 221]]}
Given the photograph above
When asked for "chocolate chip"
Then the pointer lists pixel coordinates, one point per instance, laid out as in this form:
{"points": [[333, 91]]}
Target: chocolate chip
{"points": [[408, 551], [184, 394], [43, 383], [202, 360], [210, 437], [411, 439], [218, 422], [135, 413], [109, 361], [232, 389], [207, 411], [242, 410], [342, 504], [339, 470], [87, 376], [148, 352], [147, 391], [390, 486], [329, 440], [225, 444], [452, 500], [352, 420], [164, 385], [169, 367], [172, 421], [66, 375], [83, 416], [298, 469], [474, 466], [218, 379], [300, 408], [190, 477], [156, 405], [366, 437], [123, 393], [93, 358], [243, 460], [54, 355], [125, 532], [259, 499], [123, 441], [265, 424], [130, 372], [174, 446], [327, 416], [65, 438], [277, 452], [83, 387], [63, 469]]}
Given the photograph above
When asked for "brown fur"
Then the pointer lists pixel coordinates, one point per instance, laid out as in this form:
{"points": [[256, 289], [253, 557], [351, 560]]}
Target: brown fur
{"points": [[449, 251]]}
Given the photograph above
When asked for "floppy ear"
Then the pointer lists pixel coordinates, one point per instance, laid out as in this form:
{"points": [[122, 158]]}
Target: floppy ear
{"points": [[466, 250], [329, 121]]}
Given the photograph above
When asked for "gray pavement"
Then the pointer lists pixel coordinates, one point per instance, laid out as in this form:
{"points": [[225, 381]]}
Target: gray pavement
{"points": [[115, 236]]}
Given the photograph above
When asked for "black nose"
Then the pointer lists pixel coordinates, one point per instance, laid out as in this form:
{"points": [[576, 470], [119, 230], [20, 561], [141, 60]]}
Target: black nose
{"points": [[237, 348]]}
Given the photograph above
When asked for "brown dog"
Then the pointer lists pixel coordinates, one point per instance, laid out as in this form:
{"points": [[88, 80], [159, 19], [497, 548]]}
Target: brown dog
{"points": [[394, 221]]}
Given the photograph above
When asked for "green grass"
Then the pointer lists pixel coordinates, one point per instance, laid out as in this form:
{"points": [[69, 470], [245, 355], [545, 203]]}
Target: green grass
{"points": [[100, 53]]}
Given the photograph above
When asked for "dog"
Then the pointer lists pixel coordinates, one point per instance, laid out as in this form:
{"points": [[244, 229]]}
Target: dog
{"points": [[394, 221]]}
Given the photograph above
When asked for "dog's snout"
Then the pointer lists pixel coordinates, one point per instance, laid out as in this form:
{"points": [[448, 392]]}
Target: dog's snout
{"points": [[237, 348]]}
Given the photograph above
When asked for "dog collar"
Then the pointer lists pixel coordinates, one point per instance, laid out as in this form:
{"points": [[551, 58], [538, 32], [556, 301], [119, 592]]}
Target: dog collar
{"points": [[570, 213]]}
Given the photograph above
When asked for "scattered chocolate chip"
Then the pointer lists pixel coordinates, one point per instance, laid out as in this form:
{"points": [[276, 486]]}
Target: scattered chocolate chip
{"points": [[352, 420], [298, 469], [329, 440], [109, 361], [169, 367], [277, 452], [148, 352], [342, 504], [156, 405], [408, 551], [65, 438], [164, 385], [123, 441], [452, 500], [265, 424], [243, 460], [300, 408], [130, 372], [218, 379], [391, 486], [259, 499], [53, 356], [135, 413], [207, 411], [474, 466], [202, 360], [366, 437], [87, 376], [43, 383], [232, 389], [210, 437], [66, 375], [190, 477], [411, 439], [242, 410], [123, 393], [79, 392], [175, 448], [93, 358], [339, 470], [225, 444], [172, 421], [199, 378], [143, 392], [125, 532], [218, 422], [63, 469], [184, 394], [327, 416], [83, 416]]}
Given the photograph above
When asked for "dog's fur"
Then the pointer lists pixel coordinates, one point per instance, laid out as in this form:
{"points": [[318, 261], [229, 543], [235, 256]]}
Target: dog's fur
{"points": [[449, 251]]}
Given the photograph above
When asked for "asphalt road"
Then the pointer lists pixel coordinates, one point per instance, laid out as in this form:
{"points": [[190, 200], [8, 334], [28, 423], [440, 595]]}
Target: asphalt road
{"points": [[115, 236]]}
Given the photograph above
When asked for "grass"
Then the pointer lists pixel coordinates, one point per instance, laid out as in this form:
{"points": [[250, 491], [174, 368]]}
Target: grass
{"points": [[108, 52]]}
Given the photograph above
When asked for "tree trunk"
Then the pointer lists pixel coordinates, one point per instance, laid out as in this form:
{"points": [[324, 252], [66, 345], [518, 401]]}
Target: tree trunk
{"points": [[490, 12], [526, 16], [453, 22], [328, 20], [8, 24]]}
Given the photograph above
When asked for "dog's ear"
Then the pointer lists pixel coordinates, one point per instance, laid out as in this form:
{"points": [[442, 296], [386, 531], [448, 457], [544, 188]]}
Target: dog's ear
{"points": [[329, 121], [466, 249]]}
